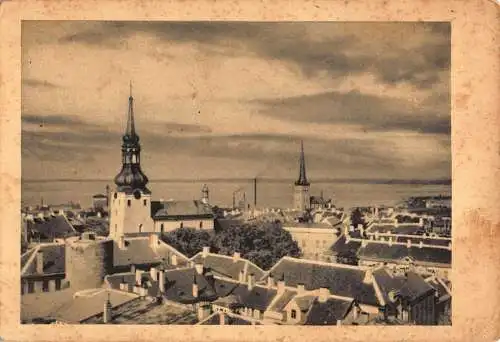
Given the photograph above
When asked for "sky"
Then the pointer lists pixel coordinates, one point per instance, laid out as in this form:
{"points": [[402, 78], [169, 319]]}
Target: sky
{"points": [[234, 99]]}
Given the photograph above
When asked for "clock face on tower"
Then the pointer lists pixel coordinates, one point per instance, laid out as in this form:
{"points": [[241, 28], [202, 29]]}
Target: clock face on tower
{"points": [[137, 194]]}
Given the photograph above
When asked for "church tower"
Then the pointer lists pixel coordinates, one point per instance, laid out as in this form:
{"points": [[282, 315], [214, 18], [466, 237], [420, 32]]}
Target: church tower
{"points": [[301, 200], [204, 194], [130, 207]]}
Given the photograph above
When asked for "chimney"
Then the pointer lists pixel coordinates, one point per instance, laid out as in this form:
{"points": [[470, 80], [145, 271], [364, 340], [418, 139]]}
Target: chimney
{"points": [[195, 287], [251, 281], [132, 268], [236, 256], [351, 228], [362, 231], [300, 288], [121, 242], [449, 246], [360, 226], [173, 259], [421, 221], [39, 262], [339, 322], [199, 268], [154, 273], [324, 293], [241, 276], [421, 244], [355, 312], [270, 280], [364, 242], [161, 281], [138, 276], [106, 314], [346, 230], [376, 235], [390, 240], [408, 243], [281, 286], [153, 239], [205, 252], [368, 279]]}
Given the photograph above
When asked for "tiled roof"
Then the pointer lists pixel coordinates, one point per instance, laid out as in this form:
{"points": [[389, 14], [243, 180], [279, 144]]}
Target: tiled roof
{"points": [[342, 280], [411, 285], [283, 300], [340, 246], [426, 240], [329, 312], [400, 229], [51, 227], [179, 286], [139, 251], [304, 302], [258, 297], [53, 259], [225, 266], [382, 251], [182, 208]]}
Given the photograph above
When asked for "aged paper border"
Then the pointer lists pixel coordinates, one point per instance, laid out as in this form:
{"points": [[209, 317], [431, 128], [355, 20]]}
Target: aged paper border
{"points": [[475, 148]]}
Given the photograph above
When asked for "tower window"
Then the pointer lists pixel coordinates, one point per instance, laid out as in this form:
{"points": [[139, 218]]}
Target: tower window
{"points": [[293, 314], [145, 202], [129, 203]]}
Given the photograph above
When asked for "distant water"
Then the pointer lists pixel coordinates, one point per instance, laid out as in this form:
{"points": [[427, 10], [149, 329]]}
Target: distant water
{"points": [[269, 193]]}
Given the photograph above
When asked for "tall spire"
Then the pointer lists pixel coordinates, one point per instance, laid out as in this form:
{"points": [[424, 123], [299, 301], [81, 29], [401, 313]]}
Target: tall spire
{"points": [[130, 119], [302, 173]]}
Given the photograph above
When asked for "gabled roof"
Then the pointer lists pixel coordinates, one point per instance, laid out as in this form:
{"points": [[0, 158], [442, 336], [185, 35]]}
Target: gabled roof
{"points": [[226, 266], [341, 246], [138, 251], [179, 286], [258, 297], [396, 252], [285, 298], [329, 312], [176, 209], [51, 227], [53, 260], [411, 286], [341, 280]]}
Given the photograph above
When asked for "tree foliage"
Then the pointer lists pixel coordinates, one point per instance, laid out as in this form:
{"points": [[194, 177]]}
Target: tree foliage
{"points": [[263, 244]]}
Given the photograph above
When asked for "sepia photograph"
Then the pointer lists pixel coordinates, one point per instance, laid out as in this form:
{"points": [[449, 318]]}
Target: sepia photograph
{"points": [[236, 173]]}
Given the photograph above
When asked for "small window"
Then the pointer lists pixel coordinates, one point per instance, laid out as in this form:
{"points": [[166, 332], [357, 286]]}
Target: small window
{"points": [[115, 195], [162, 228], [182, 225], [145, 202], [293, 314], [201, 224], [129, 203]]}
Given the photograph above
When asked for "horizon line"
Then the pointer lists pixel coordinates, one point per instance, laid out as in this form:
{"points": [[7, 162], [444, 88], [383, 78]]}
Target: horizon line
{"points": [[388, 181]]}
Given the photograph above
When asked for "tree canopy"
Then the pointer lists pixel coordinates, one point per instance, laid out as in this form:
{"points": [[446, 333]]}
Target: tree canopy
{"points": [[263, 244]]}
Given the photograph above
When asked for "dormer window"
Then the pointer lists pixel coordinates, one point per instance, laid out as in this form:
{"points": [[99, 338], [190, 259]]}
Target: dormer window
{"points": [[129, 203]]}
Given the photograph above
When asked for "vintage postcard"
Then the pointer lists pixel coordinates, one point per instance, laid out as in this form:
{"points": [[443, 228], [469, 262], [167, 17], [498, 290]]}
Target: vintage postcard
{"points": [[193, 173]]}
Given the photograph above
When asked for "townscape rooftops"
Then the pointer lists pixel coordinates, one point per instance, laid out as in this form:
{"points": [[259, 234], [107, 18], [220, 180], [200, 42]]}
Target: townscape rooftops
{"points": [[259, 297], [312, 225], [385, 252], [329, 312], [285, 298], [226, 266], [304, 302], [195, 208], [51, 226], [139, 251], [179, 286], [410, 286], [341, 280], [402, 228], [425, 240], [340, 246], [53, 260]]}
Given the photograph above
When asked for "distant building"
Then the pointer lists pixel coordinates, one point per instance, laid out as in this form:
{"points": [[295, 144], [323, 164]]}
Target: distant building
{"points": [[99, 202], [314, 239], [301, 197]]}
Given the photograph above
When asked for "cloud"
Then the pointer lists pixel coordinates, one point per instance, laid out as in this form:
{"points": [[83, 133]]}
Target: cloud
{"points": [[174, 127], [355, 108], [397, 53]]}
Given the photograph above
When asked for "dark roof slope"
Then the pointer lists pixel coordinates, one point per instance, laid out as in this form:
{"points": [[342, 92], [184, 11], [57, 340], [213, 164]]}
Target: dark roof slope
{"points": [[226, 266], [179, 286], [411, 285], [327, 313], [51, 227], [283, 300], [341, 280], [340, 246], [382, 251], [176, 209], [257, 298], [53, 260]]}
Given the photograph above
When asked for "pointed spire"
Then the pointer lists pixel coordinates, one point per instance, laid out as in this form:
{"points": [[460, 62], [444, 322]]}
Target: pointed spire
{"points": [[302, 173], [130, 119]]}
